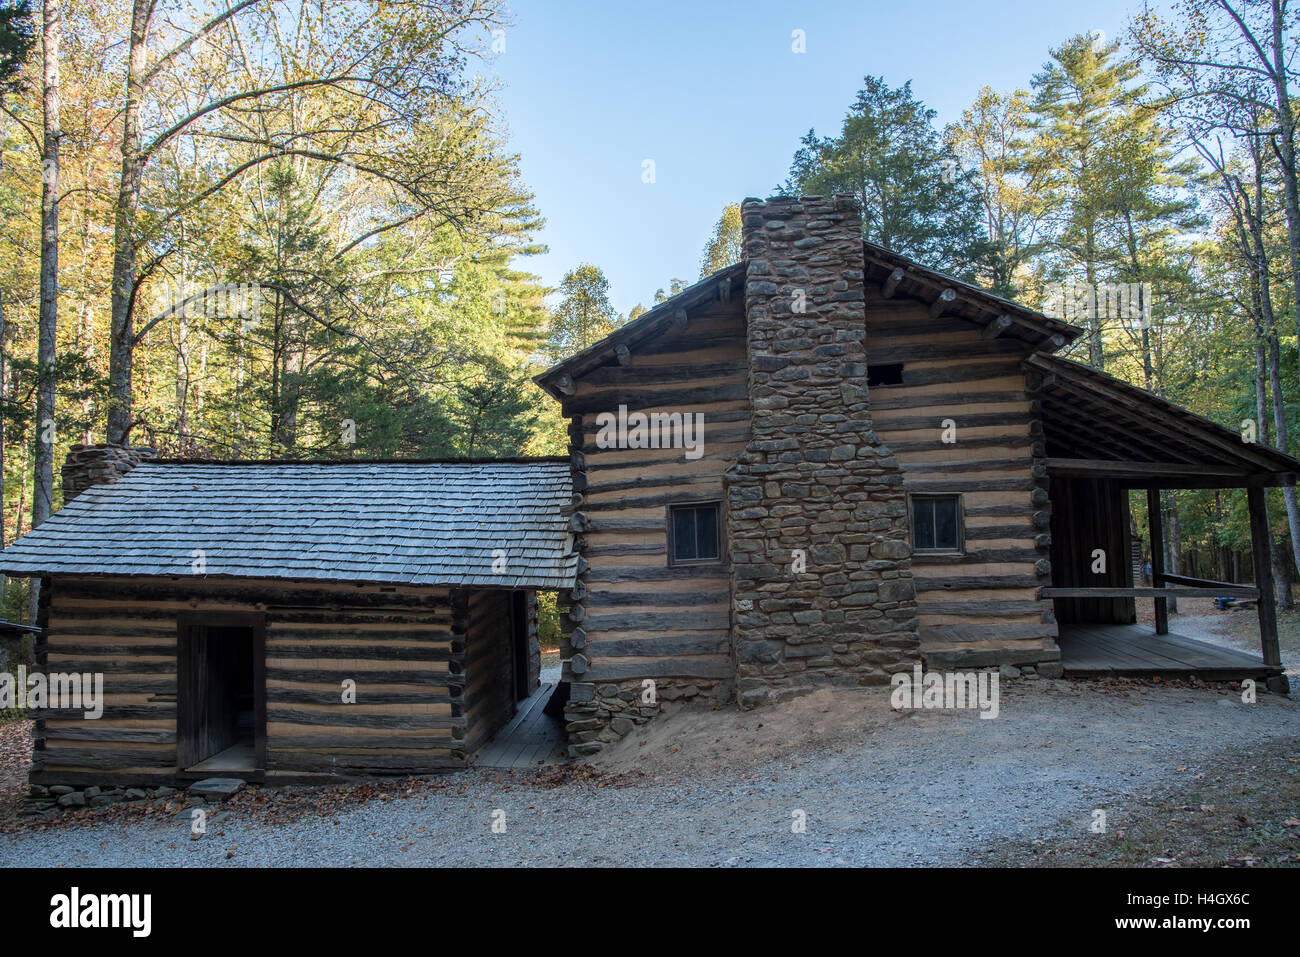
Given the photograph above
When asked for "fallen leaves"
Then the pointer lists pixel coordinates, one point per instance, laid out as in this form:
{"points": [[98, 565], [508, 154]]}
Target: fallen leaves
{"points": [[254, 804]]}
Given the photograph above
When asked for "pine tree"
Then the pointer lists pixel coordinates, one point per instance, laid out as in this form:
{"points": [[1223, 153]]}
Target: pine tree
{"points": [[992, 141], [1110, 182], [915, 198], [585, 315]]}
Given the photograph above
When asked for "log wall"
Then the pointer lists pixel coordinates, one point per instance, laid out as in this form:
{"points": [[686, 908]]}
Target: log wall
{"points": [[489, 667], [634, 616], [534, 645], [979, 607], [403, 646]]}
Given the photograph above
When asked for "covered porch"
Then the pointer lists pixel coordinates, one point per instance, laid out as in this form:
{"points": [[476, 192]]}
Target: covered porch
{"points": [[1097, 651], [1104, 438]]}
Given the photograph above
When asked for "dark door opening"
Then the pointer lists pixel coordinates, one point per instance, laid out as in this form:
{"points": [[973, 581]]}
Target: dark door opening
{"points": [[521, 650], [221, 708]]}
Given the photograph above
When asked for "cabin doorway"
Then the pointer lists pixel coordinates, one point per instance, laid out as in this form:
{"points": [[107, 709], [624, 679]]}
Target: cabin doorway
{"points": [[221, 695], [521, 649], [533, 734]]}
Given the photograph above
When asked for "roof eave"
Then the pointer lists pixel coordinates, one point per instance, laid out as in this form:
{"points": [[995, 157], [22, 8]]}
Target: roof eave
{"points": [[522, 583], [642, 327], [1260, 464], [1054, 334]]}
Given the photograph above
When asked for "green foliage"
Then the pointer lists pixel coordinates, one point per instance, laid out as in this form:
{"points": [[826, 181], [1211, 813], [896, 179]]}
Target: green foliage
{"points": [[992, 142], [915, 198], [548, 620], [724, 246], [17, 40], [584, 315], [674, 287]]}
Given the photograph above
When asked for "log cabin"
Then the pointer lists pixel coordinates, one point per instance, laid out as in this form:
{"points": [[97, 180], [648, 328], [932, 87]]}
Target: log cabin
{"points": [[816, 468], [895, 468], [290, 622]]}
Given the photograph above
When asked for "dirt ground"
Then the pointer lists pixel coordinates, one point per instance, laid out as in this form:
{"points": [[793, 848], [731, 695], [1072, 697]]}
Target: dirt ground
{"points": [[695, 739], [15, 759], [1185, 773], [1235, 811]]}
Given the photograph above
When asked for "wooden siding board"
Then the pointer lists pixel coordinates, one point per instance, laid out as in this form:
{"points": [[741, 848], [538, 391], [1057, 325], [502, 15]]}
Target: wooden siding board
{"points": [[986, 597], [409, 690], [659, 628]]}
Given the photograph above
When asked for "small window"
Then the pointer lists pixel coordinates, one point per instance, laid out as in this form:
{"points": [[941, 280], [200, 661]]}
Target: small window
{"points": [[693, 534], [936, 523], [891, 373]]}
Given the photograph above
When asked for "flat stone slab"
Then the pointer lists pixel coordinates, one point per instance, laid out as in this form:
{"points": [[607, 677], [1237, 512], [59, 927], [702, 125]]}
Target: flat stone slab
{"points": [[215, 789]]}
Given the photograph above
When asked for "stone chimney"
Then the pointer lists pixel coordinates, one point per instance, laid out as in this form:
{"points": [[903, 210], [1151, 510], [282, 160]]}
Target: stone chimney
{"points": [[102, 464], [817, 525]]}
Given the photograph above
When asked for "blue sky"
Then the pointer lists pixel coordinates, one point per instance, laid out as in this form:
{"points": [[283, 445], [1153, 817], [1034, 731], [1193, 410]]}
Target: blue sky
{"points": [[712, 92]]}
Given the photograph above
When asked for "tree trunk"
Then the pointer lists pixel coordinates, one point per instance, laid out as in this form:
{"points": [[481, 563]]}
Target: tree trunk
{"points": [[1096, 357], [121, 331], [1286, 147], [1270, 364], [85, 311], [4, 520], [43, 487], [47, 342], [22, 496], [1281, 586], [181, 317]]}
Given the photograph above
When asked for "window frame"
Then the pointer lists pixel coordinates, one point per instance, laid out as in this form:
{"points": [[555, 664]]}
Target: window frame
{"points": [[673, 560], [960, 548]]}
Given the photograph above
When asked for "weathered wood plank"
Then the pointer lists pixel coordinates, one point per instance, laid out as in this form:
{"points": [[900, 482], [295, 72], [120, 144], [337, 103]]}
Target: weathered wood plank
{"points": [[658, 621]]}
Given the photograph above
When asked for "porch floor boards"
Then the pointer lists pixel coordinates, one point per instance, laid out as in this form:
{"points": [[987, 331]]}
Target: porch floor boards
{"points": [[532, 738], [1137, 651]]}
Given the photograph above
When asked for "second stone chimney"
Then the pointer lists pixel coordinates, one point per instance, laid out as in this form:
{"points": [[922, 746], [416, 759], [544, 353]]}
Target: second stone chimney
{"points": [[103, 464], [817, 525]]}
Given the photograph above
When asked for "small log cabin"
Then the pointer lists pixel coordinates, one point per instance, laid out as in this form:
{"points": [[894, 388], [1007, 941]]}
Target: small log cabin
{"points": [[816, 468], [291, 621]]}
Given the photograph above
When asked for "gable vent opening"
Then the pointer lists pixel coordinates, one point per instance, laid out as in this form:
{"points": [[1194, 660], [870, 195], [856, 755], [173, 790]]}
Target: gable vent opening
{"points": [[890, 373]]}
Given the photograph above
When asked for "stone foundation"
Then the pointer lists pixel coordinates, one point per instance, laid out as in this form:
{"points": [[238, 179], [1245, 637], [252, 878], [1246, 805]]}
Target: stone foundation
{"points": [[817, 524], [46, 803], [615, 708]]}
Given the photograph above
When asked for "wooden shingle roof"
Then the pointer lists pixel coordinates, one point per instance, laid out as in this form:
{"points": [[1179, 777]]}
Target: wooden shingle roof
{"points": [[411, 523]]}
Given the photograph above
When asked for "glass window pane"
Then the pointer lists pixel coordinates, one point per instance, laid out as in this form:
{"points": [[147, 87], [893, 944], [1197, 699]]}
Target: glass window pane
{"points": [[945, 523], [706, 527], [684, 534], [922, 523]]}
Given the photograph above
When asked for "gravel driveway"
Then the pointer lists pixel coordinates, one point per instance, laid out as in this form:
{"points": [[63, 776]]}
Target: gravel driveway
{"points": [[708, 788]]}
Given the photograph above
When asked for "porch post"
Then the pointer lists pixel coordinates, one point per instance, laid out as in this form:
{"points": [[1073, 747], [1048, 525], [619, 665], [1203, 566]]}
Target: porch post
{"points": [[1259, 538], [1157, 558]]}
